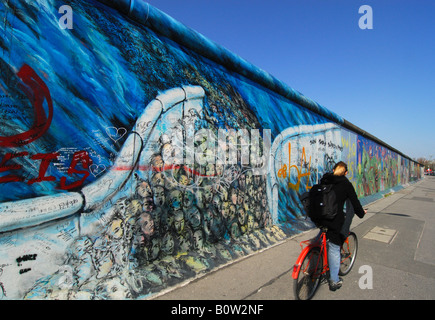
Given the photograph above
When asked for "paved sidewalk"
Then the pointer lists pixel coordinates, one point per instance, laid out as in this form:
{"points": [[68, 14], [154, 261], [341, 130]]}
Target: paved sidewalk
{"points": [[395, 255]]}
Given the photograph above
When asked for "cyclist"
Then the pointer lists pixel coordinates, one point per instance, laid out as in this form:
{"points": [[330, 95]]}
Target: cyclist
{"points": [[338, 228]]}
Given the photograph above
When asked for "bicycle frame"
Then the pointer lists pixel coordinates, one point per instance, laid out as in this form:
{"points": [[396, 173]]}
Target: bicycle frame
{"points": [[346, 243], [312, 266], [319, 242]]}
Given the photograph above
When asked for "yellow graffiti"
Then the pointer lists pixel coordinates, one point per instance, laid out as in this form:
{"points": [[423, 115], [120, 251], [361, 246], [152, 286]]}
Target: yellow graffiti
{"points": [[351, 155], [282, 172]]}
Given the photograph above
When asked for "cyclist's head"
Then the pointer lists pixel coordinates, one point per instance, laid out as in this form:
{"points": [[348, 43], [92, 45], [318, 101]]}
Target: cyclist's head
{"points": [[340, 169]]}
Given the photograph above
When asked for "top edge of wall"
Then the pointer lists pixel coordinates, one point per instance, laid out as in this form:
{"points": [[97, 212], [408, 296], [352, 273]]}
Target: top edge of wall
{"points": [[163, 24]]}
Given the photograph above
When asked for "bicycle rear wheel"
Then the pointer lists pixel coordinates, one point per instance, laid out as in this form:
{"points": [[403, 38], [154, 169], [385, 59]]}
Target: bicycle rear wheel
{"points": [[309, 276], [349, 251]]}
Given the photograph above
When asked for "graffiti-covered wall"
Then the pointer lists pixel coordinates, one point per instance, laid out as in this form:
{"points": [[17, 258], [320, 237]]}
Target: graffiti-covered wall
{"points": [[135, 154]]}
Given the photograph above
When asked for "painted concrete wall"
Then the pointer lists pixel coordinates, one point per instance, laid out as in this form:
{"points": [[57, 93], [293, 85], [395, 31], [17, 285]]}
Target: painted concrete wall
{"points": [[136, 154]]}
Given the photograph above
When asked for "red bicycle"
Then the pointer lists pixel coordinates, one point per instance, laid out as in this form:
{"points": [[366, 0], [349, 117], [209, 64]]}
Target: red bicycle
{"points": [[312, 267]]}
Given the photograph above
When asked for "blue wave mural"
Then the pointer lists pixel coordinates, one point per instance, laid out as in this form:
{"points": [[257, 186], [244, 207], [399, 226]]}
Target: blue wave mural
{"points": [[132, 158]]}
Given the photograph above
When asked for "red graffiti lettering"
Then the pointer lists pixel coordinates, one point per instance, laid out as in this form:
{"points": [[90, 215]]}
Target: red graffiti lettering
{"points": [[4, 167], [46, 159], [81, 157], [36, 91], [86, 161]]}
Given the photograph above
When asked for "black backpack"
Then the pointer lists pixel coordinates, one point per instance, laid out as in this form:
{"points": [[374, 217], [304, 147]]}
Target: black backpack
{"points": [[320, 203]]}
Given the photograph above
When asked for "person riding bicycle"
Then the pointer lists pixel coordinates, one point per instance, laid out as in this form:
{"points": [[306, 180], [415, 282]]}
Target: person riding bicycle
{"points": [[338, 227]]}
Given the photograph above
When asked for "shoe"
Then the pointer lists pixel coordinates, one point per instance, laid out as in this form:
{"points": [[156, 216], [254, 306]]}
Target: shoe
{"points": [[335, 285]]}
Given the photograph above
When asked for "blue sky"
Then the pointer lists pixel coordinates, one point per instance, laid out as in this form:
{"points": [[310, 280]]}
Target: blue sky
{"points": [[381, 80]]}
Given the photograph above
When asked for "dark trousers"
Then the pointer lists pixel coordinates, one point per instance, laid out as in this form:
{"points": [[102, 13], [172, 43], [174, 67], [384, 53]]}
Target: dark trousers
{"points": [[349, 213]]}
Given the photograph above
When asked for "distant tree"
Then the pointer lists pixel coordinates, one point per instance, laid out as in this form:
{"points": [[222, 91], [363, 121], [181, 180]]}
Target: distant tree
{"points": [[428, 164]]}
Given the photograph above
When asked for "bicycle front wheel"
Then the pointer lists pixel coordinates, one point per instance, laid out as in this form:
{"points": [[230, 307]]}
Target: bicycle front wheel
{"points": [[349, 250], [309, 276]]}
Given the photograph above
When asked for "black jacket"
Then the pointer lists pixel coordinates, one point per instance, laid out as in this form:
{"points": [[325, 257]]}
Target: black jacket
{"points": [[344, 190]]}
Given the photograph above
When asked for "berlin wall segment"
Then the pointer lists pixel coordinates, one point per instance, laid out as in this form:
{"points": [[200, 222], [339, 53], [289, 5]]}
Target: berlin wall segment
{"points": [[130, 162]]}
